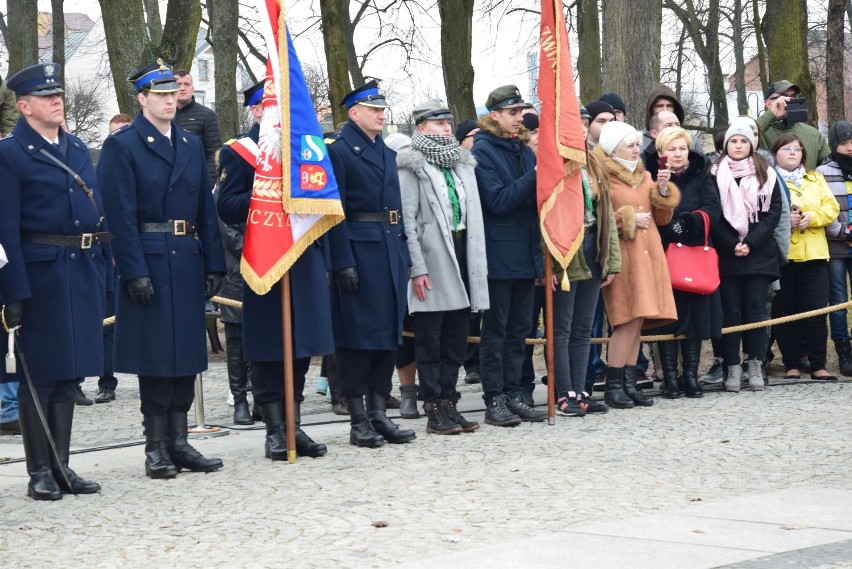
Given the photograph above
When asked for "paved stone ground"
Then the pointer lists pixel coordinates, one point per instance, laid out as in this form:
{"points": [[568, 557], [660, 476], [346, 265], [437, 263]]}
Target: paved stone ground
{"points": [[433, 497]]}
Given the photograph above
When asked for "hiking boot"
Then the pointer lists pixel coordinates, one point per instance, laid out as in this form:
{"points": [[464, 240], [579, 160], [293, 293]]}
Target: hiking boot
{"points": [[844, 356], [715, 375], [453, 413], [519, 407], [498, 414], [733, 383], [437, 420], [755, 375], [472, 377]]}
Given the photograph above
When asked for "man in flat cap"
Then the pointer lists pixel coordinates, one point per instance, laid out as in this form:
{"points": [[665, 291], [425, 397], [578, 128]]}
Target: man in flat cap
{"points": [[505, 175], [262, 339], [54, 287], [169, 257], [370, 263], [446, 240]]}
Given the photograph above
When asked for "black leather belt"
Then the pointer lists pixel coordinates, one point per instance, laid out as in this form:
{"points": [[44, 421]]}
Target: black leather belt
{"points": [[84, 241], [176, 227], [391, 217]]}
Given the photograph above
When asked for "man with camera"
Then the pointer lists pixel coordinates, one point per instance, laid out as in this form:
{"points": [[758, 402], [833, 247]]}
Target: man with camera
{"points": [[786, 112]]}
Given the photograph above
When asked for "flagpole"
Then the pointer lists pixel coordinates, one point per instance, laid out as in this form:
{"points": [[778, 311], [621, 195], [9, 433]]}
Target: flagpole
{"points": [[289, 395], [548, 335]]}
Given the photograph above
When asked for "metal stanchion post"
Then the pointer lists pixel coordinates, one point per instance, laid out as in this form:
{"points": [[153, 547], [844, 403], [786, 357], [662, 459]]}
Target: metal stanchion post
{"points": [[201, 429]]}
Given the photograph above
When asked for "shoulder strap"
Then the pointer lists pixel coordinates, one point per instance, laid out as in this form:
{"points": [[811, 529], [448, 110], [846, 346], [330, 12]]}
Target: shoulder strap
{"points": [[78, 179]]}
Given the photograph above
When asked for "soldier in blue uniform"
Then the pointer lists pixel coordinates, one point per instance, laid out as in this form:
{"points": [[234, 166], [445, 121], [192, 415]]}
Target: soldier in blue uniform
{"points": [[52, 228], [169, 257], [263, 341], [371, 263]]}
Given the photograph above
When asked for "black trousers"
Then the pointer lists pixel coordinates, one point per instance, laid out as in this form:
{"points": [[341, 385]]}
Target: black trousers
{"points": [[804, 286], [161, 395], [268, 380], [362, 371], [504, 328], [50, 391], [743, 302], [440, 343]]}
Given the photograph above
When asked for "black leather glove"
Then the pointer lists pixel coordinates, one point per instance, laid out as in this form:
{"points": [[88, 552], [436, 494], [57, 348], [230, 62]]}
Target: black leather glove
{"points": [[212, 284], [13, 313], [140, 290], [347, 279]]}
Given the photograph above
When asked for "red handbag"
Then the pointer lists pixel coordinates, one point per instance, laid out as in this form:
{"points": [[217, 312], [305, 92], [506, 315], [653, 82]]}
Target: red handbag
{"points": [[694, 269]]}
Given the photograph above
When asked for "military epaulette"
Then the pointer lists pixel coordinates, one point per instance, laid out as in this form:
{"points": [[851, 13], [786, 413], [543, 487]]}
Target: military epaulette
{"points": [[230, 142], [332, 138], [119, 129]]}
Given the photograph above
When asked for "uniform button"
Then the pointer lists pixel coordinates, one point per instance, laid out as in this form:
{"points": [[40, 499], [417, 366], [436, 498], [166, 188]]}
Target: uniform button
{"points": [[77, 222], [175, 252], [73, 255], [388, 231], [70, 190], [92, 255]]}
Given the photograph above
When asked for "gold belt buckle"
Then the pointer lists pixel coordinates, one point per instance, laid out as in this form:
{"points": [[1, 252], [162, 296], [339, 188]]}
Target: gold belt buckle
{"points": [[86, 240], [179, 227], [393, 217]]}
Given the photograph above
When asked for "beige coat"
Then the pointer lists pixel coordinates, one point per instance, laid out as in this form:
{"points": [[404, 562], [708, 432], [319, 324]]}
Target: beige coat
{"points": [[642, 289]]}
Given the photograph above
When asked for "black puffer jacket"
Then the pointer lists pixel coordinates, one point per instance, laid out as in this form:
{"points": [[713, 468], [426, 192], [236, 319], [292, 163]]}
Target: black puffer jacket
{"points": [[201, 121]]}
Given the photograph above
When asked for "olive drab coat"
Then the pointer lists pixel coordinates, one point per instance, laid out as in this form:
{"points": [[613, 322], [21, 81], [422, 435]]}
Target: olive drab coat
{"points": [[63, 288], [366, 173], [148, 179], [263, 338]]}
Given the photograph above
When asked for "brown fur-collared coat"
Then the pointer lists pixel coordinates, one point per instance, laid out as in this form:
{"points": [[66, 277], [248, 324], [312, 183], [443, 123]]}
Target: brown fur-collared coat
{"points": [[642, 289]]}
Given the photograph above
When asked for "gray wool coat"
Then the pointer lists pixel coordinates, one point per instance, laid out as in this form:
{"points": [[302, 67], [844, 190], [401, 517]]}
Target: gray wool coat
{"points": [[428, 227]]}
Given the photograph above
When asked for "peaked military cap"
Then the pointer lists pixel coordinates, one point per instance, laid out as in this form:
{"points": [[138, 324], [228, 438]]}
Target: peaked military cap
{"points": [[431, 110], [505, 97], [156, 77], [40, 80], [367, 94], [254, 94]]}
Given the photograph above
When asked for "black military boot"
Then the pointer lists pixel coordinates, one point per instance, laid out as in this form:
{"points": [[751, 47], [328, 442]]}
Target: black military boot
{"points": [[614, 394], [497, 412], [305, 445], [60, 416], [377, 413], [237, 381], [158, 463], [844, 356], [630, 388], [668, 361], [408, 402], [183, 455], [519, 406], [42, 485], [275, 446], [361, 432], [690, 351], [452, 411], [437, 420]]}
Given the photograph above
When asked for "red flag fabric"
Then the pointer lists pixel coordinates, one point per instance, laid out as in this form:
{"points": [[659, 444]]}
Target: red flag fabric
{"points": [[295, 198], [561, 148]]}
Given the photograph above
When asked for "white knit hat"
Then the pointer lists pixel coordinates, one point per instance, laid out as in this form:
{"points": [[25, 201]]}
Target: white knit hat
{"points": [[742, 126], [612, 134]]}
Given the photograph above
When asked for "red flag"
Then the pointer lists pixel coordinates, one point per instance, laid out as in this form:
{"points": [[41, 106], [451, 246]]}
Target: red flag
{"points": [[561, 149], [295, 198]]}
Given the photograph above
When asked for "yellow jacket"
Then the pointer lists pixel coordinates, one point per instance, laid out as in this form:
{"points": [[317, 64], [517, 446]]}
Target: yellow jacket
{"points": [[812, 196]]}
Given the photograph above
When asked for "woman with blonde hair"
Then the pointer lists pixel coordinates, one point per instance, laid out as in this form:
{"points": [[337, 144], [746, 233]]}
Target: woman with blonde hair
{"points": [[640, 296]]}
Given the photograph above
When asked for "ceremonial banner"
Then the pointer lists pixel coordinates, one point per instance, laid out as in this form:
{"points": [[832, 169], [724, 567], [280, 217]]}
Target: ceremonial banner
{"points": [[295, 198], [561, 147]]}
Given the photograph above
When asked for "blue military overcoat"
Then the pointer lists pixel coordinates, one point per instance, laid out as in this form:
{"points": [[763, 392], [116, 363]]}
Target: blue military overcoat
{"points": [[262, 332], [148, 179], [370, 319], [63, 288]]}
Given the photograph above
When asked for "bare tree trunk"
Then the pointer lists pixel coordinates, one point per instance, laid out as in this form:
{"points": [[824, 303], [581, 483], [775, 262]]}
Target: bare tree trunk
{"points": [[58, 32], [589, 65], [334, 41], [739, 60], [628, 69], [679, 62], [456, 46], [785, 28], [848, 11], [23, 24], [761, 50], [183, 18], [834, 68], [155, 24], [224, 17], [349, 40]]}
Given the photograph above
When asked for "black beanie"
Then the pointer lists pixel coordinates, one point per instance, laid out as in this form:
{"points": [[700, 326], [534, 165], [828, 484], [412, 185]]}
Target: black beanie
{"points": [[615, 100], [464, 128], [597, 107], [839, 132], [530, 121]]}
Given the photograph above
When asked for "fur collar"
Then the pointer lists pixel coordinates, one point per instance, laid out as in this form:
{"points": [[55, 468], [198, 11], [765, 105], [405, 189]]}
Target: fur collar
{"points": [[411, 159], [490, 126], [616, 170]]}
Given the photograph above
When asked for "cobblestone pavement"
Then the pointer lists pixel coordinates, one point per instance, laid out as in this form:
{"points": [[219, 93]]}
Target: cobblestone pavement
{"points": [[437, 495]]}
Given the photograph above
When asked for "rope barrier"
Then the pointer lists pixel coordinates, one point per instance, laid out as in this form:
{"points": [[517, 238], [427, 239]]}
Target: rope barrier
{"points": [[654, 338]]}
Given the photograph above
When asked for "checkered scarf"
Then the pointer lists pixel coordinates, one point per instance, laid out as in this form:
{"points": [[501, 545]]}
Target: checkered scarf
{"points": [[442, 151]]}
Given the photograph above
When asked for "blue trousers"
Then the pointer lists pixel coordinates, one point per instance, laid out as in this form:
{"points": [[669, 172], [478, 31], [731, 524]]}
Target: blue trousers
{"points": [[9, 401]]}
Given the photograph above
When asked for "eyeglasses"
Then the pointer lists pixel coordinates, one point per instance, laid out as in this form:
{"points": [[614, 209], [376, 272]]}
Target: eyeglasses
{"points": [[791, 148]]}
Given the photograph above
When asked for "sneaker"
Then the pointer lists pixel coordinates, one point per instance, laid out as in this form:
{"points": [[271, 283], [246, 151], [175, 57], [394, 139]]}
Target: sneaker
{"points": [[81, 399], [519, 407], [321, 385], [106, 395], [715, 375], [571, 407], [642, 380], [593, 405], [471, 377], [498, 414], [600, 382], [528, 399]]}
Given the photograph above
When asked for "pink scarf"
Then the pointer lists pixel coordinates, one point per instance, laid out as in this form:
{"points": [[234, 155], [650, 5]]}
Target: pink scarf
{"points": [[741, 202]]}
